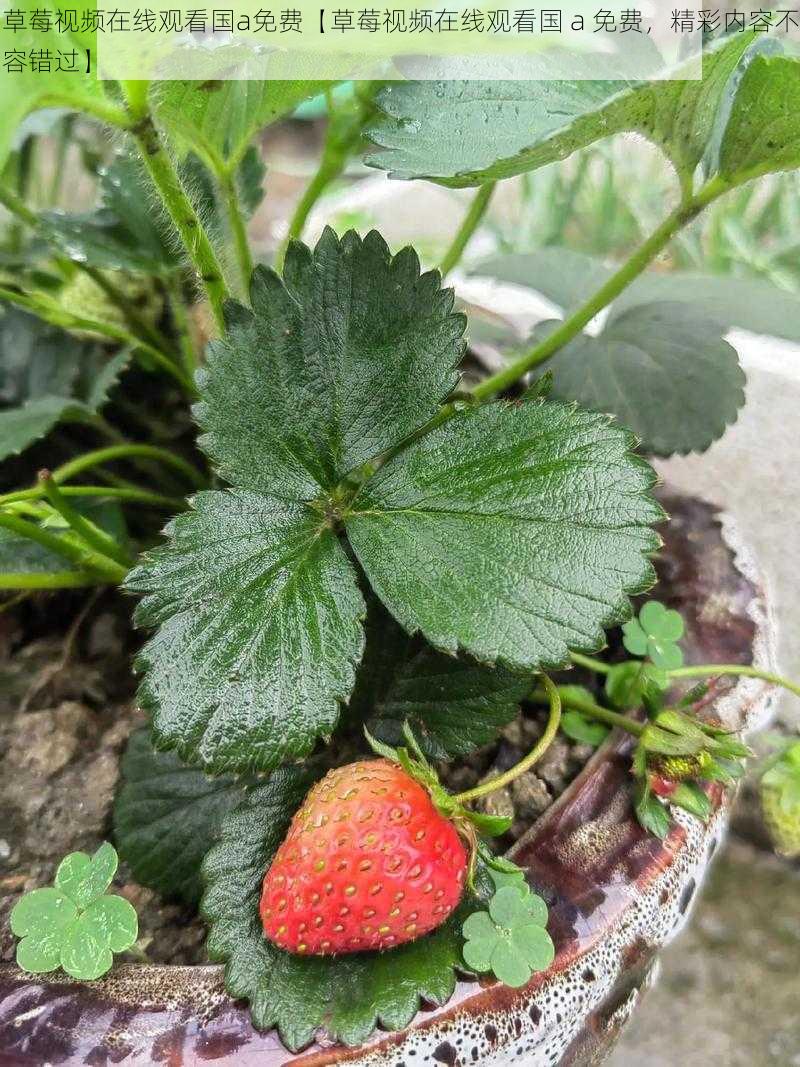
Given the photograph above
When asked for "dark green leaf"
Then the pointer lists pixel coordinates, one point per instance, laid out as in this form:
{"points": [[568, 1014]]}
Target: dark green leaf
{"points": [[124, 233], [651, 813], [453, 705], [468, 133], [513, 532], [581, 729], [763, 131], [663, 369], [346, 996], [20, 427], [387, 649], [167, 816], [339, 362], [260, 630], [36, 359]]}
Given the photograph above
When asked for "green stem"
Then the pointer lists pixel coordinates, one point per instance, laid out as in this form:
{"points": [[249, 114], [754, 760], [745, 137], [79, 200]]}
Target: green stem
{"points": [[238, 226], [16, 206], [641, 258], [96, 538], [132, 495], [51, 312], [176, 202], [542, 745], [83, 557], [311, 194], [53, 580], [477, 209], [594, 711], [182, 326], [590, 663], [709, 670], [98, 456]]}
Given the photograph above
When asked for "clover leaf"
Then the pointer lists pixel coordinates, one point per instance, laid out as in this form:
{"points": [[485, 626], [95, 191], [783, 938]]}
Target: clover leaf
{"points": [[73, 924], [510, 939], [655, 634]]}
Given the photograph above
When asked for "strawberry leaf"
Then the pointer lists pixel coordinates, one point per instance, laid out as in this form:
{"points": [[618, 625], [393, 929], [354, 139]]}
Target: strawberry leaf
{"points": [[260, 629], [167, 816], [340, 361], [664, 369], [524, 528], [345, 996]]}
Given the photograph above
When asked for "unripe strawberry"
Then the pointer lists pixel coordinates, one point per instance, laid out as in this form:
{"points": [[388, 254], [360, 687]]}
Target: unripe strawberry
{"points": [[780, 802], [368, 863]]}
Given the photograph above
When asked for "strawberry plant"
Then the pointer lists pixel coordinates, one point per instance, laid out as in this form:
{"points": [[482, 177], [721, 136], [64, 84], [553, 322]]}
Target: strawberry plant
{"points": [[361, 555]]}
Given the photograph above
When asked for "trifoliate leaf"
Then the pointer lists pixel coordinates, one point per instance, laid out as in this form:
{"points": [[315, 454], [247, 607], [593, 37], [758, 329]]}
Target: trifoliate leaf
{"points": [[654, 634], [347, 996], [510, 939], [260, 630], [663, 369], [167, 816], [512, 532], [340, 361], [84, 878], [73, 924], [579, 728]]}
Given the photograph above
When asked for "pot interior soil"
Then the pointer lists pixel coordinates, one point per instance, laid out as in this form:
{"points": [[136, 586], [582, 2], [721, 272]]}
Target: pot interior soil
{"points": [[67, 710]]}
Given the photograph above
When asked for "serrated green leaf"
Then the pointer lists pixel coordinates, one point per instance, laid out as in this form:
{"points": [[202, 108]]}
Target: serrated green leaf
{"points": [[36, 359], [124, 232], [663, 369], [763, 131], [346, 996], [340, 361], [260, 629], [583, 730], [167, 816], [219, 118], [467, 133], [85, 878], [523, 529], [20, 427], [453, 705]]}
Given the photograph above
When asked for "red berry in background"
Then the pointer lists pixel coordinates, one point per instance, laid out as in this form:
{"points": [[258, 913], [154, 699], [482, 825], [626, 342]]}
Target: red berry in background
{"points": [[368, 863], [661, 786]]}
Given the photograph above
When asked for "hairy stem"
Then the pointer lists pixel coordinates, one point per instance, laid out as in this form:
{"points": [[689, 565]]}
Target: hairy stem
{"points": [[83, 557], [182, 326], [709, 670], [99, 456], [131, 495], [628, 272], [470, 222], [96, 538], [542, 745], [173, 196], [236, 221]]}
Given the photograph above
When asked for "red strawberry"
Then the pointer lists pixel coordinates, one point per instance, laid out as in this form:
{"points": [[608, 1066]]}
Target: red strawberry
{"points": [[368, 863]]}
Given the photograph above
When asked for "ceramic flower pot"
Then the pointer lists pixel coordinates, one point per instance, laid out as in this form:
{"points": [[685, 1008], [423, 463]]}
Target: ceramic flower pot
{"points": [[616, 896]]}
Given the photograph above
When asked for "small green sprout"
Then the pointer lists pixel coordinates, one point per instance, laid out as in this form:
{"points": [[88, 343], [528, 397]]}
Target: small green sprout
{"points": [[73, 924], [636, 682], [655, 634], [510, 938]]}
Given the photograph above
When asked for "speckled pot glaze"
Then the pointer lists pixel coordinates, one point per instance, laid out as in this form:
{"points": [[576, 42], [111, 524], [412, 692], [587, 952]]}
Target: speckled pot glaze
{"points": [[616, 896]]}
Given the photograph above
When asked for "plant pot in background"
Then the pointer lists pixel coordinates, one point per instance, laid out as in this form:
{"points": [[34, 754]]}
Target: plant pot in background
{"points": [[616, 896]]}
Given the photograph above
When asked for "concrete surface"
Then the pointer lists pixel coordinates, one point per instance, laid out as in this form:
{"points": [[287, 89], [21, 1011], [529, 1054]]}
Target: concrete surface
{"points": [[728, 990]]}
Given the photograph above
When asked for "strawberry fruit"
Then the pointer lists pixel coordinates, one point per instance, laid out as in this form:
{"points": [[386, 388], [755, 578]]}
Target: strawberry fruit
{"points": [[368, 863]]}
